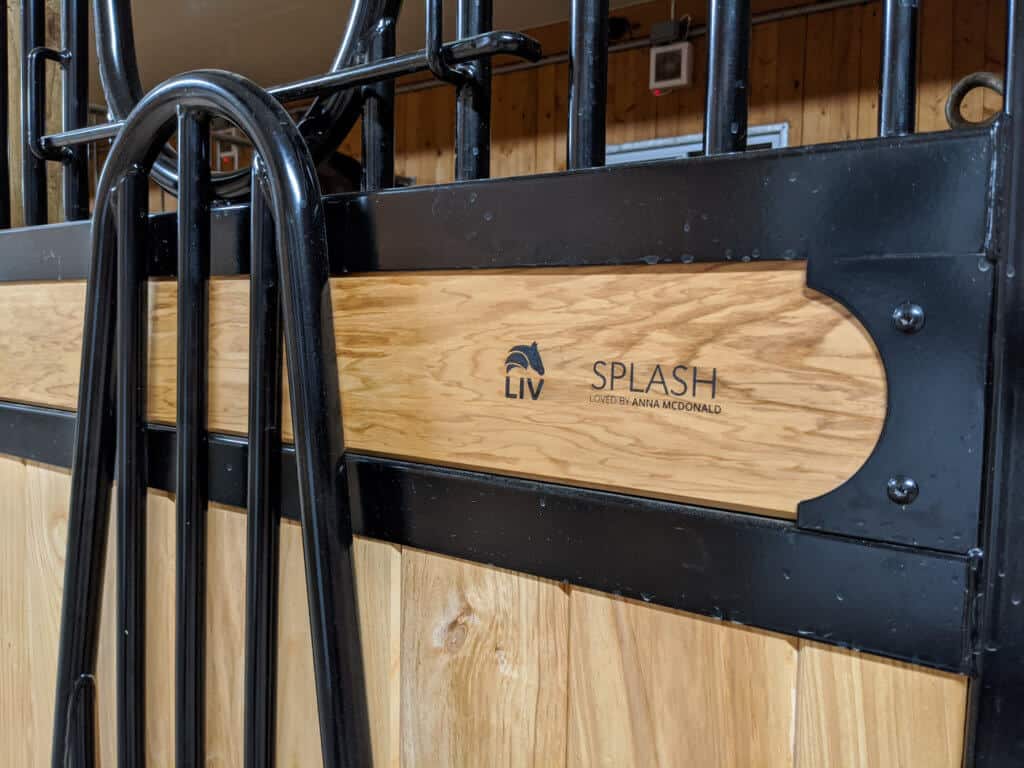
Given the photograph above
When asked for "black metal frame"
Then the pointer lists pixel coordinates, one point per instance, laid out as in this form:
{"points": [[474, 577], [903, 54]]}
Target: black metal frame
{"points": [[920, 237]]}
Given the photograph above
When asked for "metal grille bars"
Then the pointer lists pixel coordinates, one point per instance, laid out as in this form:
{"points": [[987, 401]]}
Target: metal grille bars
{"points": [[293, 198]]}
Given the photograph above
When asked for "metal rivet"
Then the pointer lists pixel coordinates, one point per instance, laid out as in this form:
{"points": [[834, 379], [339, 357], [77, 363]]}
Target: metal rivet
{"points": [[908, 317], [902, 489]]}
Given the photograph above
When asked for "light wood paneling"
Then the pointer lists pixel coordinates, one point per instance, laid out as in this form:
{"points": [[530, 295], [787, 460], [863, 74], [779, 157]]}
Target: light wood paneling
{"points": [[484, 666], [654, 687], [799, 384], [33, 516], [860, 711]]}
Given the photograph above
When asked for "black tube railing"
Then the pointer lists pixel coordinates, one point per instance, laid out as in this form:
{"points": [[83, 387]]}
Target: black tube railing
{"points": [[489, 44], [725, 111], [5, 161], [191, 485], [132, 461], [588, 83], [75, 111], [264, 486], [33, 167], [293, 195], [897, 92], [473, 98], [379, 116]]}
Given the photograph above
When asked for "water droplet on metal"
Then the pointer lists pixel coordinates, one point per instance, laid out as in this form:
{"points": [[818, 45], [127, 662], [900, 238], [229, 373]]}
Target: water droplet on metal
{"points": [[983, 264]]}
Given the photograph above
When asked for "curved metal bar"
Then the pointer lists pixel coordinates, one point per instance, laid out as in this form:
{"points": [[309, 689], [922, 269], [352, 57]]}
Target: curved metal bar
{"points": [[324, 126], [294, 198], [437, 61], [467, 50]]}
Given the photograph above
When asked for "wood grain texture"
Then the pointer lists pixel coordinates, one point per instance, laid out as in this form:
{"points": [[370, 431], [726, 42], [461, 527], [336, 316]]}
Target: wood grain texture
{"points": [[378, 582], [860, 711], [33, 521], [484, 666], [421, 360], [654, 687]]}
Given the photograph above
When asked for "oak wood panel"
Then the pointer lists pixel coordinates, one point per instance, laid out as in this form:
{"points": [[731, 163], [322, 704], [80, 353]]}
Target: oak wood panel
{"points": [[484, 666], [654, 687], [378, 584], [861, 711], [421, 358], [33, 516]]}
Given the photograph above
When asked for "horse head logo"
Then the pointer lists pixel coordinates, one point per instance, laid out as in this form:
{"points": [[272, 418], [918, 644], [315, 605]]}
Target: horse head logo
{"points": [[524, 357]]}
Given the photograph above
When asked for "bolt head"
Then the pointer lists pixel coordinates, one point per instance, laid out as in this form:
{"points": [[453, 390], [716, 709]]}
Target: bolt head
{"points": [[902, 490], [908, 317]]}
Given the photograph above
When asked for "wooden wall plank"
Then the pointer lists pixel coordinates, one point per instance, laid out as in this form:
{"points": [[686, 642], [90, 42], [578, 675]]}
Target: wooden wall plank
{"points": [[378, 581], [484, 666], [870, 71], [968, 52], [791, 83], [935, 64], [861, 711], [764, 74], [788, 362], [995, 52], [650, 686], [514, 124]]}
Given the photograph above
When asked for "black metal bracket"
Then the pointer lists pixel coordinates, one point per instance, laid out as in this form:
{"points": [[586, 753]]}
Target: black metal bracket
{"points": [[35, 117], [901, 602], [928, 316]]}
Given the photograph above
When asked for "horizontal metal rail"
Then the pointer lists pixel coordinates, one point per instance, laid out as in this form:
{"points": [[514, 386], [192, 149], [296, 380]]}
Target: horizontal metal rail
{"points": [[697, 30], [469, 49]]}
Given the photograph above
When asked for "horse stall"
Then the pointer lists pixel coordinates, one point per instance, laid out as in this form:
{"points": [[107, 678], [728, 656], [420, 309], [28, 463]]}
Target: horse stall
{"points": [[631, 386]]}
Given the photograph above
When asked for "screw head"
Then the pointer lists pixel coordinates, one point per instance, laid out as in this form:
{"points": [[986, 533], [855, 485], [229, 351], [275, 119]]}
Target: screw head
{"points": [[908, 317], [902, 490]]}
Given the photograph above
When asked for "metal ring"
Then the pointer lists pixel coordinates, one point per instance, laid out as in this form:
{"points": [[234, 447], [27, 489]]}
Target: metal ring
{"points": [[324, 126], [956, 98]]}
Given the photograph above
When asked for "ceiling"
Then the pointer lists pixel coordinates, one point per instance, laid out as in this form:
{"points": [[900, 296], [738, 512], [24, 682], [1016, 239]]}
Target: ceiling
{"points": [[275, 42]]}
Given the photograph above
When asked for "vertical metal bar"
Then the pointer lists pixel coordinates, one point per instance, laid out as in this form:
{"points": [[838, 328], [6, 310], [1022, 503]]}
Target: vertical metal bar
{"points": [[725, 112], [33, 169], [897, 92], [379, 116], [132, 226], [263, 485], [75, 20], [996, 697], [588, 83], [5, 162], [193, 270], [473, 99], [88, 514]]}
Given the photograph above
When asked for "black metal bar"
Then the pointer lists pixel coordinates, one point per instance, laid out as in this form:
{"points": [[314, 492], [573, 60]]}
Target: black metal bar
{"points": [[725, 112], [897, 93], [588, 83], [33, 168], [925, 193], [193, 270], [5, 160], [316, 409], [264, 487], [88, 515], [461, 51], [996, 698], [901, 602], [132, 332], [437, 59], [473, 99], [75, 21], [379, 116]]}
